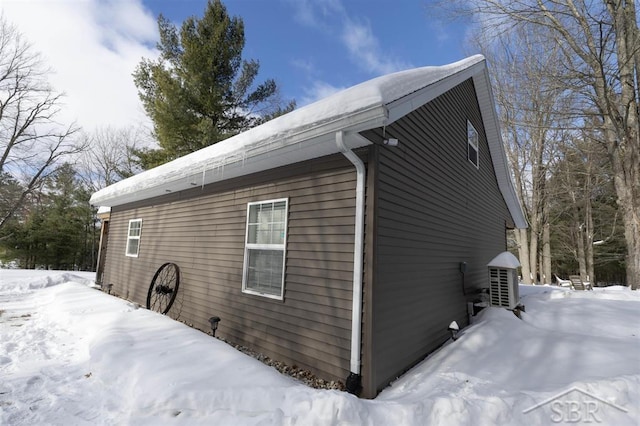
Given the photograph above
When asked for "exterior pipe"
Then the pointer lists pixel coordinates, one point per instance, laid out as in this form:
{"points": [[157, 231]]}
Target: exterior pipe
{"points": [[353, 383]]}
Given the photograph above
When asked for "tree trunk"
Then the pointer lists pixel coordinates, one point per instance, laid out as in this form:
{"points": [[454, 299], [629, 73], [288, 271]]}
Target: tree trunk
{"points": [[546, 253], [533, 251], [630, 207], [582, 265], [591, 277], [540, 268], [622, 129], [523, 252]]}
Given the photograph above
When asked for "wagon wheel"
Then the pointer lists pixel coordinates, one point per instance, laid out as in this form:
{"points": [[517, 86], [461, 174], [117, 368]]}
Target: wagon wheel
{"points": [[163, 288]]}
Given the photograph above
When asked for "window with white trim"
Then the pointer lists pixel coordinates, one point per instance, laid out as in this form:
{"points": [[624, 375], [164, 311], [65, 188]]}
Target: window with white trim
{"points": [[264, 253], [133, 237], [472, 145]]}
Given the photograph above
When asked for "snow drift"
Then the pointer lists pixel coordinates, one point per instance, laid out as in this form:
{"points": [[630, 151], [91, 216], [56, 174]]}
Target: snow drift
{"points": [[70, 354]]}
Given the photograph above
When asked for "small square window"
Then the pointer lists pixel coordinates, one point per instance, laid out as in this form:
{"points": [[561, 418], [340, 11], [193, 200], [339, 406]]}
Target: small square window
{"points": [[133, 237], [472, 145], [264, 254]]}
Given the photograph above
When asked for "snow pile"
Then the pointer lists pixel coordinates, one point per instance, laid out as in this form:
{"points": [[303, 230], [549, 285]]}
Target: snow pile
{"points": [[70, 354], [13, 280]]}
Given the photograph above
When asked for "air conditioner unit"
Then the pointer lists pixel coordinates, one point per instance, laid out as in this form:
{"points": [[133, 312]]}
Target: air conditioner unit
{"points": [[503, 281]]}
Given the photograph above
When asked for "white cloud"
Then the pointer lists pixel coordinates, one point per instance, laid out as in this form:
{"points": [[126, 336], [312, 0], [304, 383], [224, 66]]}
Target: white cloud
{"points": [[366, 51], [317, 13], [304, 13], [93, 47], [318, 90], [331, 17]]}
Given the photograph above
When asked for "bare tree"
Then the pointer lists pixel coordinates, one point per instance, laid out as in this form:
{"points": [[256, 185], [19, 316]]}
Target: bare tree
{"points": [[31, 140], [109, 156], [600, 44], [581, 180], [529, 103]]}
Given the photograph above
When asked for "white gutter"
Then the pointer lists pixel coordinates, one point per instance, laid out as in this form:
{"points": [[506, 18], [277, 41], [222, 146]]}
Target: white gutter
{"points": [[273, 144], [358, 251]]}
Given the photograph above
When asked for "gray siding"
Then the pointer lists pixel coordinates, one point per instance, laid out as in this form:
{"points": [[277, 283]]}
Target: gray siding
{"points": [[434, 210], [203, 231]]}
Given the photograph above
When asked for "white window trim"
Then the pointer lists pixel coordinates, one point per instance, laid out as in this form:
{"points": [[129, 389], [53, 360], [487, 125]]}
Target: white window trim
{"points": [[475, 145], [135, 237], [248, 246]]}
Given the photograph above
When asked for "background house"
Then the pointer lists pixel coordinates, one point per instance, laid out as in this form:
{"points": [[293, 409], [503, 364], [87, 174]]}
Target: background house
{"points": [[343, 237]]}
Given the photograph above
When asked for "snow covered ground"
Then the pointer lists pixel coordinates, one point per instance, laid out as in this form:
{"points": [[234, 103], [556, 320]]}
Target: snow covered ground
{"points": [[73, 355]]}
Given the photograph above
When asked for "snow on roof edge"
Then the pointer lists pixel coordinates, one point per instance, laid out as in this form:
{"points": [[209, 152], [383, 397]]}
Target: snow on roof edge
{"points": [[378, 92], [496, 145]]}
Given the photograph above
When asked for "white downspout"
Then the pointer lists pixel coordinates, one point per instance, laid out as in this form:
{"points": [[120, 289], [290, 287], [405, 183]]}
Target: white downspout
{"points": [[358, 251]]}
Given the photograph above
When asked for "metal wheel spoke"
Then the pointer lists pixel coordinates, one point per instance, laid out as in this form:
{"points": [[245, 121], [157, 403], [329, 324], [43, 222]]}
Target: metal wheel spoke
{"points": [[163, 288]]}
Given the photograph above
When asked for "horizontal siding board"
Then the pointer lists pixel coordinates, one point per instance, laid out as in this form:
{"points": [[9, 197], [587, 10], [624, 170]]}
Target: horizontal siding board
{"points": [[299, 321], [319, 256], [328, 274], [339, 299], [316, 341], [338, 209], [434, 210], [328, 223], [294, 262], [325, 193], [299, 311], [330, 285], [313, 229], [298, 237], [203, 231], [311, 247], [334, 289]]}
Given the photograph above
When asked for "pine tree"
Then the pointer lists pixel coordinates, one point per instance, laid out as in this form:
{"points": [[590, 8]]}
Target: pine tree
{"points": [[57, 228], [10, 192], [200, 90]]}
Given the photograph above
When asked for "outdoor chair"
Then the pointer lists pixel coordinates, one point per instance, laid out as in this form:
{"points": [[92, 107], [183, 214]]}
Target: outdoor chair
{"points": [[578, 284], [563, 283]]}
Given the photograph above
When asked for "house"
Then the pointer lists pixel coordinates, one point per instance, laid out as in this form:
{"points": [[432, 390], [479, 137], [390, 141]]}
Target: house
{"points": [[343, 237]]}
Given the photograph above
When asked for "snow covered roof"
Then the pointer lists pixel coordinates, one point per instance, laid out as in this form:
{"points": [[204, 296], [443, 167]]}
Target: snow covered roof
{"points": [[309, 132]]}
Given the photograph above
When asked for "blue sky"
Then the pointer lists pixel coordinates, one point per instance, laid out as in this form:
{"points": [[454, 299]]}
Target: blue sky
{"points": [[310, 47]]}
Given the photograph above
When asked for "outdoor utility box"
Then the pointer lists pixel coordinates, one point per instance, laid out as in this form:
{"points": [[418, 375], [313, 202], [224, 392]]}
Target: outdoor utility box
{"points": [[503, 281]]}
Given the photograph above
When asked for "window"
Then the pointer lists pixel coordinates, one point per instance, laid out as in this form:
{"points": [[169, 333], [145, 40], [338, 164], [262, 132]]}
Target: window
{"points": [[133, 237], [472, 144], [264, 252]]}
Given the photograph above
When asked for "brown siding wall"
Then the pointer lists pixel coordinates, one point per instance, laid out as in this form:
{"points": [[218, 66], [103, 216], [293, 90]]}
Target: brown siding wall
{"points": [[203, 231], [435, 209]]}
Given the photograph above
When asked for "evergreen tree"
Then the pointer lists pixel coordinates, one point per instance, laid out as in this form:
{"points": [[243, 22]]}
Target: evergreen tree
{"points": [[200, 90], [587, 235], [10, 192], [57, 229]]}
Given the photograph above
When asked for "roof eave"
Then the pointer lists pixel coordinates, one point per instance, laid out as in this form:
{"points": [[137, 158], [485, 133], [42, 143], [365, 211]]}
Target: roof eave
{"points": [[306, 144], [486, 101]]}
